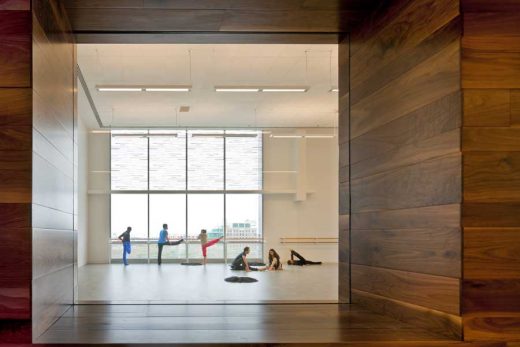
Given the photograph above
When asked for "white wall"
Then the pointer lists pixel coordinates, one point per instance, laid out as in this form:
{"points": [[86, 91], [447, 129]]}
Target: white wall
{"points": [[99, 199], [82, 192], [317, 215]]}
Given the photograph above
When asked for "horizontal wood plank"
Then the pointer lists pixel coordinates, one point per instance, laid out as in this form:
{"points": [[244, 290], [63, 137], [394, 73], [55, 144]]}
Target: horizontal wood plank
{"points": [[416, 88], [398, 189], [492, 215], [495, 295], [487, 107], [492, 326], [491, 177], [490, 70], [435, 292], [429, 251], [491, 253]]}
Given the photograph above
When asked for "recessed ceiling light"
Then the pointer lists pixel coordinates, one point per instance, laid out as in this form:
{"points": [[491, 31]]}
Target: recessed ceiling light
{"points": [[284, 90], [237, 89]]}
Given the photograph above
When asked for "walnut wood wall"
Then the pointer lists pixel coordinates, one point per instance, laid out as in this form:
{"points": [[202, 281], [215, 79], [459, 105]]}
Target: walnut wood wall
{"points": [[491, 155], [53, 164], [405, 119], [15, 170]]}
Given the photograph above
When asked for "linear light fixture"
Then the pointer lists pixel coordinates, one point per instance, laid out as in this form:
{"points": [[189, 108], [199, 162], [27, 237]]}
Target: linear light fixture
{"points": [[100, 131], [129, 88], [237, 89], [284, 90], [286, 136], [334, 90], [255, 89], [302, 136], [118, 89], [319, 136]]}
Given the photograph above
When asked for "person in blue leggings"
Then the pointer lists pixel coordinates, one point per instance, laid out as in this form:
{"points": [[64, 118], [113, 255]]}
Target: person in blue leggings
{"points": [[127, 246]]}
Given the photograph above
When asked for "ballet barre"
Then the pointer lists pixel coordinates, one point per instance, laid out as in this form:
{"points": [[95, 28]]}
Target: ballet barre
{"points": [[313, 240]]}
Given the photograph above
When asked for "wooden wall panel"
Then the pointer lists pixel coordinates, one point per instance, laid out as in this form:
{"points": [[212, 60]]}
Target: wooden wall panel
{"points": [[15, 170], [53, 164], [491, 154], [344, 170], [406, 167]]}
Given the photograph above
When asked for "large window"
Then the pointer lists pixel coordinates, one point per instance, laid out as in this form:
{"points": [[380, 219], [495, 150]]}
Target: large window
{"points": [[190, 180]]}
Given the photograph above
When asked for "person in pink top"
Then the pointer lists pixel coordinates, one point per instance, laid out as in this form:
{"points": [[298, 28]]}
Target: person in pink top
{"points": [[204, 243]]}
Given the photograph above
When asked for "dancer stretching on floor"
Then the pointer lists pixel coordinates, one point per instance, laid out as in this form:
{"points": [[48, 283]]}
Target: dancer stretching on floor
{"points": [[240, 262], [165, 241], [203, 237], [274, 262], [301, 260]]}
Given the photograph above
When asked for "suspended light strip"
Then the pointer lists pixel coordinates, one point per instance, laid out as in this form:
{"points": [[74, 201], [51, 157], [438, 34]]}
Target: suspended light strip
{"points": [[302, 136], [122, 88], [237, 89], [334, 90], [319, 136], [284, 90]]}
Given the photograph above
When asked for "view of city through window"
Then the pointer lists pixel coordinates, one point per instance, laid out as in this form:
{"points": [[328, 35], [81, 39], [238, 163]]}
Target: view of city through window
{"points": [[190, 180]]}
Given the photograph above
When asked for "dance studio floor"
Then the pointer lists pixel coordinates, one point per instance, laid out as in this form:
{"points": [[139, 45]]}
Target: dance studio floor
{"points": [[175, 283]]}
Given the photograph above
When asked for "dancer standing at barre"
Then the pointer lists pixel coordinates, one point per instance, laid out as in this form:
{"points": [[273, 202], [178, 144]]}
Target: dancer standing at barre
{"points": [[165, 241], [203, 237]]}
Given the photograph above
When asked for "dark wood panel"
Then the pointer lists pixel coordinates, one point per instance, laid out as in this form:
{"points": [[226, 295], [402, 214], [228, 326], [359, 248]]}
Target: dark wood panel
{"points": [[492, 177], [491, 253], [15, 5], [344, 239], [412, 25], [491, 139], [515, 107], [487, 108], [15, 247], [344, 282], [489, 6], [15, 216], [492, 326], [491, 43], [441, 145], [436, 292], [15, 298], [498, 295], [490, 70], [438, 117], [344, 198], [412, 218], [15, 49], [432, 320], [491, 214], [491, 24], [16, 331], [430, 251], [412, 90], [399, 189], [386, 68], [15, 107]]}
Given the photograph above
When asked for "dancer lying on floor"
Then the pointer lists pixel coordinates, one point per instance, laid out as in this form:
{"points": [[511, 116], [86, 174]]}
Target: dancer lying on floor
{"points": [[240, 262], [164, 240], [203, 237], [301, 260]]}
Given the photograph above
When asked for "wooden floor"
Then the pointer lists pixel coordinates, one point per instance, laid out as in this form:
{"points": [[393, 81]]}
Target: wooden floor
{"points": [[269, 323], [177, 284]]}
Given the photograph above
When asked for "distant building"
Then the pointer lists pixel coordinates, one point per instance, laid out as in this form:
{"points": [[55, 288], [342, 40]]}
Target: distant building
{"points": [[239, 230]]}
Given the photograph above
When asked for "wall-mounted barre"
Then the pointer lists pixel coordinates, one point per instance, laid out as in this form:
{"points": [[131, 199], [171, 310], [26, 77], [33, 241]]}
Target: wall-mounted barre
{"points": [[314, 240]]}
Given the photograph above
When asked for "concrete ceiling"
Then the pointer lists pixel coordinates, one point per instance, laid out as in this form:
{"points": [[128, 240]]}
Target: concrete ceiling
{"points": [[313, 66]]}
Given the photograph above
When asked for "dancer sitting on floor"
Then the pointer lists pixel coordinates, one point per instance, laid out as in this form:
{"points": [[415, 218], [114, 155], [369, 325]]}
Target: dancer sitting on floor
{"points": [[240, 262], [274, 262], [165, 241], [301, 260], [203, 237]]}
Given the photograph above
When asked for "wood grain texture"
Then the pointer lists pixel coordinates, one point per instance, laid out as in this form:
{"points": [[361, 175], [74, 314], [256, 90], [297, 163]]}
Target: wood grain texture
{"points": [[436, 292], [15, 48], [492, 139], [429, 251], [398, 189], [489, 6], [492, 326], [496, 295], [414, 89], [515, 107], [490, 70], [490, 215], [491, 253], [487, 107], [432, 320], [492, 177], [431, 120]]}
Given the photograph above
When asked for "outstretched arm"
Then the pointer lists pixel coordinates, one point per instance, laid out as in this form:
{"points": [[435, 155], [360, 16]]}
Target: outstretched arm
{"points": [[121, 237]]}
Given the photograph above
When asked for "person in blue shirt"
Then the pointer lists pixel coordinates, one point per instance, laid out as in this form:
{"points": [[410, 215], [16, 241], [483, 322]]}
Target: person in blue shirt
{"points": [[165, 241], [127, 247]]}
